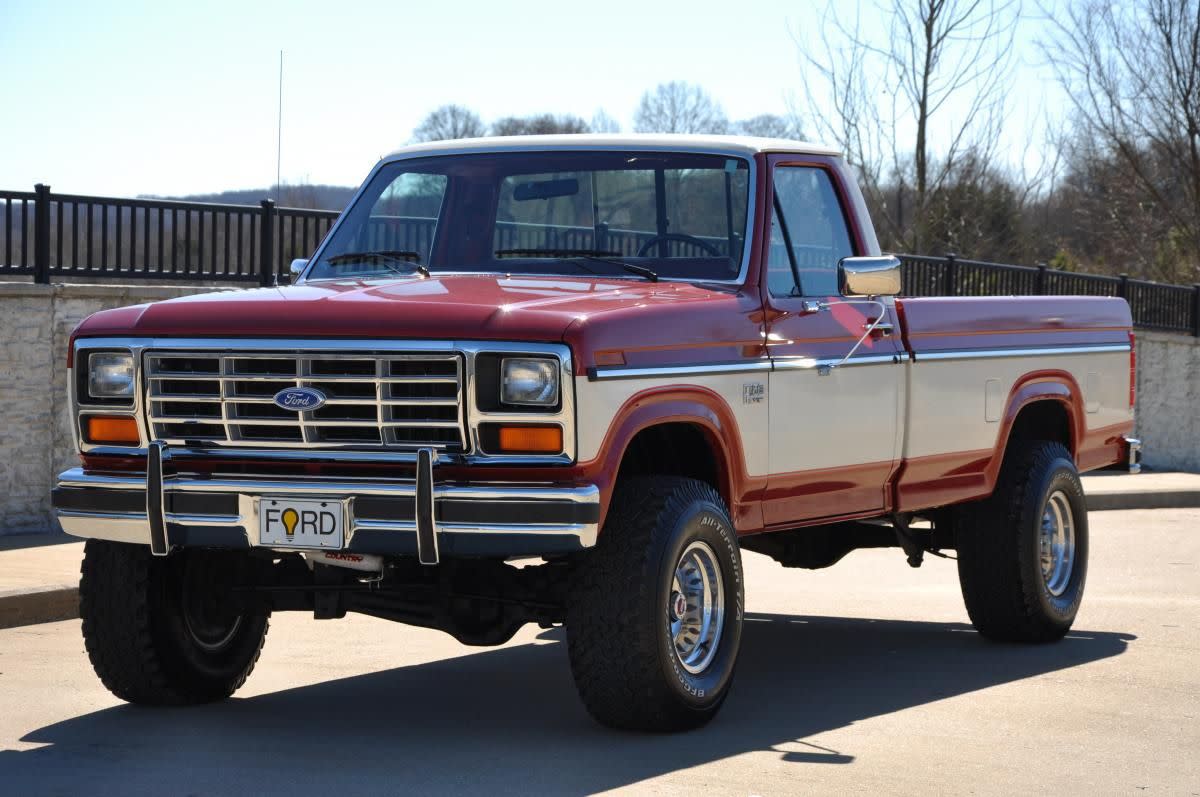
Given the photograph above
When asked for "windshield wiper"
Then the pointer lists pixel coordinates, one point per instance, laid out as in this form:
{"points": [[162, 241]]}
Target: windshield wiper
{"points": [[390, 258], [598, 255]]}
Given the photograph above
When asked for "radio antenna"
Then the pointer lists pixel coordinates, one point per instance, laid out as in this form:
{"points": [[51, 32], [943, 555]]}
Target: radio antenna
{"points": [[279, 133]]}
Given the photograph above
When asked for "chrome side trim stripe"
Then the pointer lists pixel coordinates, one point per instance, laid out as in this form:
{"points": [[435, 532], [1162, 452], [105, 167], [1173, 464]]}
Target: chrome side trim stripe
{"points": [[805, 363], [1048, 351], [619, 372]]}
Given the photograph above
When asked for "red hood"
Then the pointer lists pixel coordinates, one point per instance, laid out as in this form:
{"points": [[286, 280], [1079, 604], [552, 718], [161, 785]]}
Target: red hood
{"points": [[450, 307]]}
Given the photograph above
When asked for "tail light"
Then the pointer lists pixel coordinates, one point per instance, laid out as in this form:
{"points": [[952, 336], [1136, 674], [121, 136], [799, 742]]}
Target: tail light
{"points": [[1132, 369]]}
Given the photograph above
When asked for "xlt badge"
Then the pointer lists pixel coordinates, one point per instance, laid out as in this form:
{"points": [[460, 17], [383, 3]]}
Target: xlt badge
{"points": [[753, 393]]}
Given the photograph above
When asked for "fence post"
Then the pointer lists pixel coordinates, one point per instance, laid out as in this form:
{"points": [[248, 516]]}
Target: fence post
{"points": [[266, 253], [1196, 310], [41, 234], [1041, 279], [951, 274], [1123, 286]]}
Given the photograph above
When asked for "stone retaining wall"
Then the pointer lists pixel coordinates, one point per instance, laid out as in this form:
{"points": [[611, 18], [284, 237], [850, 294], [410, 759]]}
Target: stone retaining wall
{"points": [[1168, 400], [35, 431]]}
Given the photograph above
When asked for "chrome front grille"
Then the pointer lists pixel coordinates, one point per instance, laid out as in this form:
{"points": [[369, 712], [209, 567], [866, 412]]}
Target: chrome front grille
{"points": [[374, 401]]}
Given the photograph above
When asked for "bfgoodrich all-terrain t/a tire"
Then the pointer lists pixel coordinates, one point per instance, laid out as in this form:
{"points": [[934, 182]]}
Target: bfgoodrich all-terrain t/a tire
{"points": [[654, 615], [1022, 553], [161, 631]]}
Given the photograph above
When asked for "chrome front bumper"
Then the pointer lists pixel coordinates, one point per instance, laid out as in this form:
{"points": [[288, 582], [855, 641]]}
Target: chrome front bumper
{"points": [[418, 517]]}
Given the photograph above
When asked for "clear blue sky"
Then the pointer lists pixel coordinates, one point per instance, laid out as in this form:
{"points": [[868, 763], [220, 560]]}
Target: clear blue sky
{"points": [[179, 97]]}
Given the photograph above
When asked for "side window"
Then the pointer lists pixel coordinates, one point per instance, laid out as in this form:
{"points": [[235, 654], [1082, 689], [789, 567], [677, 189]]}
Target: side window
{"points": [[808, 230]]}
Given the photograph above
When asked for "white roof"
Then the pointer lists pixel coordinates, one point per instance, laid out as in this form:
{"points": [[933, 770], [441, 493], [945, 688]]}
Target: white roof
{"points": [[668, 142]]}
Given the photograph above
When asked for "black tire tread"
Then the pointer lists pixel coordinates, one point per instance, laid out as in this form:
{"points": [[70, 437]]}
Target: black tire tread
{"points": [[1001, 604], [620, 684], [114, 602]]}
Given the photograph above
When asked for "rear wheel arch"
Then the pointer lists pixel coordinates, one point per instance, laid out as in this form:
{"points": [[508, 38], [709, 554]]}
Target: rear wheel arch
{"points": [[1045, 405]]}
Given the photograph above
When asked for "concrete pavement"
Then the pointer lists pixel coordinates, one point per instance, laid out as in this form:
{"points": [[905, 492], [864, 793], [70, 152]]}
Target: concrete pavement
{"points": [[864, 678]]}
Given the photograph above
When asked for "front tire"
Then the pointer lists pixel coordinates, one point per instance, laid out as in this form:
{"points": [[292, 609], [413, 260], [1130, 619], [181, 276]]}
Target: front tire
{"points": [[654, 616], [1022, 553], [163, 631]]}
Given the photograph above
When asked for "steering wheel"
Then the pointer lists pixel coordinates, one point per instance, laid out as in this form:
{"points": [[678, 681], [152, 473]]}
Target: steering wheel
{"points": [[677, 236]]}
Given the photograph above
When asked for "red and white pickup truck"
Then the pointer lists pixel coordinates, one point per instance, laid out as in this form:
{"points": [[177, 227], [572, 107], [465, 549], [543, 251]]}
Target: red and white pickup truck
{"points": [[620, 359]]}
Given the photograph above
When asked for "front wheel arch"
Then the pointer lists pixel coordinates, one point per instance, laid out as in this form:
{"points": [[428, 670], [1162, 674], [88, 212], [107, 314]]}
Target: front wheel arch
{"points": [[678, 405]]}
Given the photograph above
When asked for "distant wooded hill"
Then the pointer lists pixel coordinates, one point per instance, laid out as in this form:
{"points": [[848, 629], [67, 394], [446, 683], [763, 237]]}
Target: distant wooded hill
{"points": [[320, 197]]}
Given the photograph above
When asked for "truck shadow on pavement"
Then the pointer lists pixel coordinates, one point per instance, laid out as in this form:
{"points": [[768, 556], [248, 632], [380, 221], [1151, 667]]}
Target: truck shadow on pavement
{"points": [[508, 720]]}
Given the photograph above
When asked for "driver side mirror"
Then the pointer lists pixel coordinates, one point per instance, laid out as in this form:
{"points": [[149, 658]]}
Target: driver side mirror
{"points": [[295, 270], [869, 276]]}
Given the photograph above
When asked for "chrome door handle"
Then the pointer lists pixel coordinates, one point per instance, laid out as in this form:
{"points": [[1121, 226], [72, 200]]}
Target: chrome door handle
{"points": [[884, 328]]}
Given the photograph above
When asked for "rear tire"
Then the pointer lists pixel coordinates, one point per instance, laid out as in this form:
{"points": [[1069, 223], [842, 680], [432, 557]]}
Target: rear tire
{"points": [[654, 615], [161, 631], [1022, 553]]}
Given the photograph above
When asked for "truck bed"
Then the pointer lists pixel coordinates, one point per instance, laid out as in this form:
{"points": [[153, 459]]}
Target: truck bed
{"points": [[975, 362]]}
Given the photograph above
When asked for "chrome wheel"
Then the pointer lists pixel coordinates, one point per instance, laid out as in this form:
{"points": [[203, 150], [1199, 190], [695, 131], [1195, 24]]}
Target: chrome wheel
{"points": [[696, 607], [1056, 543]]}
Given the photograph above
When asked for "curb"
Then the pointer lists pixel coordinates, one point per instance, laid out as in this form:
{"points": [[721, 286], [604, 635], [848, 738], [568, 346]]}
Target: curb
{"points": [[1147, 499], [34, 605]]}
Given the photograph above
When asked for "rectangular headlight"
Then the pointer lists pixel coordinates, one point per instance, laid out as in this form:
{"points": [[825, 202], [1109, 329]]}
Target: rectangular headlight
{"points": [[529, 381], [110, 375]]}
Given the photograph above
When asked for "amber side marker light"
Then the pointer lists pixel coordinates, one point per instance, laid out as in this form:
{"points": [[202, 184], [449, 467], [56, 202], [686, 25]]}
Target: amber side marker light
{"points": [[111, 429], [531, 439]]}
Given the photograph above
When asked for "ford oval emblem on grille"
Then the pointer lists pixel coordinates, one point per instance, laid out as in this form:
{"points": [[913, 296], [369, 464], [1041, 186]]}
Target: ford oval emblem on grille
{"points": [[299, 399]]}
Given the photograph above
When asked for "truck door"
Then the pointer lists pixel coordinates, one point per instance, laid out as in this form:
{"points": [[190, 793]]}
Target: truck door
{"points": [[834, 426]]}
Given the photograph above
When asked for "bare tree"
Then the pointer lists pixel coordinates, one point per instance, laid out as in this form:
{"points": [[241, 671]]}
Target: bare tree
{"points": [[944, 62], [769, 125], [679, 107], [603, 123], [447, 122], [540, 124], [1132, 71]]}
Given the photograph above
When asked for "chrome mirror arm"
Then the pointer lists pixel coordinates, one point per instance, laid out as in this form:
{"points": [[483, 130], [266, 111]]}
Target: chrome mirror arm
{"points": [[867, 330]]}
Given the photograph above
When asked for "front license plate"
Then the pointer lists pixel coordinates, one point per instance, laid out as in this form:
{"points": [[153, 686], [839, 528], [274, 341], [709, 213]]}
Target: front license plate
{"points": [[289, 523]]}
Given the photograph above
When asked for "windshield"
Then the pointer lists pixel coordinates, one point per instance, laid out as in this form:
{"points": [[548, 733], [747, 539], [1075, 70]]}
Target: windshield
{"points": [[635, 215]]}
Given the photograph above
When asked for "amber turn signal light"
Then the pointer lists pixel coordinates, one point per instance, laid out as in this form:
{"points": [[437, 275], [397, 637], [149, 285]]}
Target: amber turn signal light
{"points": [[531, 439], [119, 430]]}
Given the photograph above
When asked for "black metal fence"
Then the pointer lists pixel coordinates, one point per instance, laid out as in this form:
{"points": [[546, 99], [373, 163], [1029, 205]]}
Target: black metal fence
{"points": [[61, 236], [1154, 305]]}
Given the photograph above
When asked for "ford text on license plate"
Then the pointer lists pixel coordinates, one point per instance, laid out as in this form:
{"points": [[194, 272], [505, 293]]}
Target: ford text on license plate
{"points": [[308, 523]]}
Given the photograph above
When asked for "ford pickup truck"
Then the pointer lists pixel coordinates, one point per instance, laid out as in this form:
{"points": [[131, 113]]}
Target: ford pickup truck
{"points": [[566, 381]]}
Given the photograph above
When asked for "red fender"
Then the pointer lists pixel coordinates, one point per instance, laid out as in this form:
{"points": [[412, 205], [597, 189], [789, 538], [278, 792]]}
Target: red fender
{"points": [[694, 405]]}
